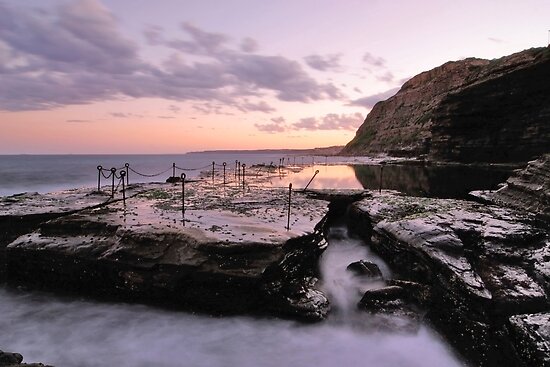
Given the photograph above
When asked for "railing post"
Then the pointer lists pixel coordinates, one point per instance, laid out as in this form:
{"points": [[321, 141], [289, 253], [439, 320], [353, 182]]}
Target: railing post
{"points": [[127, 166], [183, 193], [289, 201], [239, 172], [213, 165], [224, 164], [99, 168], [244, 165], [236, 168], [174, 169], [113, 174], [122, 176], [315, 174]]}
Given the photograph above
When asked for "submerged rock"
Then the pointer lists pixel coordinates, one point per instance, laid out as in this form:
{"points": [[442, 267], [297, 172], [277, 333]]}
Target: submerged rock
{"points": [[392, 301], [481, 264]]}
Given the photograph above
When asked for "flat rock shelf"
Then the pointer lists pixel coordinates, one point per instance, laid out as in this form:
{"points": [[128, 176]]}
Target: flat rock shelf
{"points": [[228, 252]]}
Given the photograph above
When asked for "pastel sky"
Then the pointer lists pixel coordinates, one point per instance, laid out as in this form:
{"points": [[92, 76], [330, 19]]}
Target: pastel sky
{"points": [[171, 76]]}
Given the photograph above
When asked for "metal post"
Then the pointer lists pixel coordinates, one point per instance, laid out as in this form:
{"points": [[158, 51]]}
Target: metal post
{"points": [[122, 174], [182, 192], [173, 169], [127, 165], [99, 168], [113, 173], [244, 165], [213, 164], [239, 172], [315, 174], [236, 168], [289, 201], [224, 164]]}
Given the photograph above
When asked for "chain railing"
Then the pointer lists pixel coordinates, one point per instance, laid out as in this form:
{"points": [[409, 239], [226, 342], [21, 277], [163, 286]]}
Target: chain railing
{"points": [[120, 179]]}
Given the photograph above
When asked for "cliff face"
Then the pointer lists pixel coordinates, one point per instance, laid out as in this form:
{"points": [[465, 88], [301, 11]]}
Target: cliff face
{"points": [[471, 110]]}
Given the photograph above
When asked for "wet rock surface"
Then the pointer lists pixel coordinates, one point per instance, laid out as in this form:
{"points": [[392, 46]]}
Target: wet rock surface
{"points": [[22, 213], [365, 268], [527, 189], [531, 334], [228, 252], [392, 300], [481, 263]]}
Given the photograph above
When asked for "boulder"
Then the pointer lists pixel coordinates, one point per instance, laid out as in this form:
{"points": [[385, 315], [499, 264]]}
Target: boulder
{"points": [[392, 301], [365, 268]]}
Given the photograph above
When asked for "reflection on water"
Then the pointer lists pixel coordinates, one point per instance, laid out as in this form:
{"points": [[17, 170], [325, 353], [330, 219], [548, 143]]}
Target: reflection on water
{"points": [[329, 177], [432, 181]]}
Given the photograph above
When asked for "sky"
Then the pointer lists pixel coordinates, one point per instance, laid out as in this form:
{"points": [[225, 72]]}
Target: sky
{"points": [[172, 76]]}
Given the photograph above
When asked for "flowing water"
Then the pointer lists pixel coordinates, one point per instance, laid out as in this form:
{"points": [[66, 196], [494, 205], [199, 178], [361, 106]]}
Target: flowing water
{"points": [[69, 332]]}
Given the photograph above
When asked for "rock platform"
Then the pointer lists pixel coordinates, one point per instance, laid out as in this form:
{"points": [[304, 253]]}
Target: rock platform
{"points": [[229, 251]]}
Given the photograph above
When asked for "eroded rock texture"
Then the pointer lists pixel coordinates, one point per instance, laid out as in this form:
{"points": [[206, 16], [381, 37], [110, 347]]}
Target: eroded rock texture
{"points": [[482, 264], [471, 110], [528, 188]]}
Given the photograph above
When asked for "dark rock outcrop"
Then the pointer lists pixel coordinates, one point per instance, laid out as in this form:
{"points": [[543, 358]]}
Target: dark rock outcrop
{"points": [[531, 334], [482, 264], [527, 189], [471, 110]]}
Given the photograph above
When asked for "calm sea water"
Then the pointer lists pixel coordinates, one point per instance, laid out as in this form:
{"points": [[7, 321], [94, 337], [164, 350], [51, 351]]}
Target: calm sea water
{"points": [[46, 173]]}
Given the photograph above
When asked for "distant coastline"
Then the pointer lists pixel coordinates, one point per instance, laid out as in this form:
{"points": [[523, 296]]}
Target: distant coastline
{"points": [[328, 151]]}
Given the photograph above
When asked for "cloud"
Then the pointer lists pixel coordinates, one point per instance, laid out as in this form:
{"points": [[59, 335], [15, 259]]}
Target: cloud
{"points": [[370, 101], [330, 121], [174, 109], [373, 60], [329, 62], [76, 54], [153, 35], [495, 40], [78, 121], [249, 45], [377, 65], [200, 42], [271, 127], [261, 106]]}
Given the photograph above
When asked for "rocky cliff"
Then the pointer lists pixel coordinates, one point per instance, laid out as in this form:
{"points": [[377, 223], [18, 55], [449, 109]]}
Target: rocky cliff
{"points": [[471, 110]]}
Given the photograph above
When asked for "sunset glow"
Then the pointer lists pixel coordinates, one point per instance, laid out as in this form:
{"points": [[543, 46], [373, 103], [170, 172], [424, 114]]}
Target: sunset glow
{"points": [[92, 76]]}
